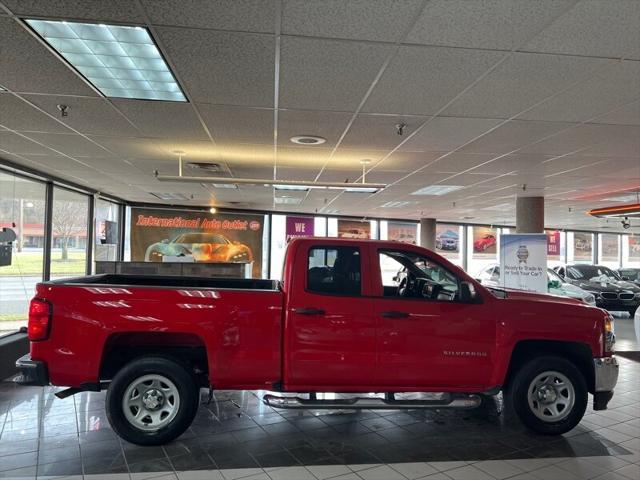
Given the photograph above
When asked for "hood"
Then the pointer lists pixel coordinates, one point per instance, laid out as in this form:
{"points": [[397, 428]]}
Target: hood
{"points": [[512, 294], [605, 286]]}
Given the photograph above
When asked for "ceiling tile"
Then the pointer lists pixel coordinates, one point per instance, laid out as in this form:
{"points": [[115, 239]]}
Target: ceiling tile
{"points": [[491, 24], [222, 67], [610, 88], [68, 144], [616, 24], [626, 115], [422, 80], [329, 125], [17, 114], [380, 20], [448, 133], [99, 10], [327, 74], [242, 15], [131, 146], [230, 125], [14, 143], [514, 135], [380, 131], [86, 115], [522, 81], [162, 119], [20, 75]]}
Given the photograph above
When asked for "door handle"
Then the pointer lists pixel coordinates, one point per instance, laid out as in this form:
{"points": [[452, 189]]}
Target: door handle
{"points": [[309, 311], [395, 314]]}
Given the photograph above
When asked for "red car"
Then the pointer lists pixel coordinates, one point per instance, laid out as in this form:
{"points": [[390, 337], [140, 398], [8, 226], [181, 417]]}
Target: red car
{"points": [[336, 323], [482, 244]]}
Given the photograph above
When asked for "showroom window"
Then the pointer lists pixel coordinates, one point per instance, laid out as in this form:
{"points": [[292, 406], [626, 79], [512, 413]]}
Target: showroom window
{"points": [[106, 231], [579, 247], [70, 219], [609, 250], [22, 209], [631, 250]]}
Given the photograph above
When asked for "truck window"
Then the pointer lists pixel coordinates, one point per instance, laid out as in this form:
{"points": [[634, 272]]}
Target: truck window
{"points": [[334, 270], [406, 274]]}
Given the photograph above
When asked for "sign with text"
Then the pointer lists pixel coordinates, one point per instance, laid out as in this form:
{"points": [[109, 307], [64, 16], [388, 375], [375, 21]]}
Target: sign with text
{"points": [[634, 247], [553, 244], [402, 232], [299, 227], [582, 246], [353, 229], [523, 262], [209, 238]]}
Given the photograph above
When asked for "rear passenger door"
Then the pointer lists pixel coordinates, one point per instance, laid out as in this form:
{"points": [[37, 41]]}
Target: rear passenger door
{"points": [[330, 329]]}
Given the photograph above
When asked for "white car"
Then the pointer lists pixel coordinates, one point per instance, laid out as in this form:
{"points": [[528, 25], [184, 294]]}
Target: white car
{"points": [[490, 276], [636, 325]]}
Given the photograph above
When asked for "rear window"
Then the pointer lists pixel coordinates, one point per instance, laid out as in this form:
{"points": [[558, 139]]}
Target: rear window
{"points": [[334, 271]]}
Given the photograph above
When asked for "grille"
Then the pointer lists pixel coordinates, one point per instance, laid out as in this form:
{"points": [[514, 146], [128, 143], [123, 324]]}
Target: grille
{"points": [[609, 296], [626, 296]]}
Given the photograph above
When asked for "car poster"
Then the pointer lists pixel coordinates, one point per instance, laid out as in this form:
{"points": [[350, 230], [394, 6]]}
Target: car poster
{"points": [[485, 241], [353, 229], [582, 246], [634, 247], [299, 227], [609, 247], [402, 232], [448, 239], [208, 238], [523, 261], [553, 245]]}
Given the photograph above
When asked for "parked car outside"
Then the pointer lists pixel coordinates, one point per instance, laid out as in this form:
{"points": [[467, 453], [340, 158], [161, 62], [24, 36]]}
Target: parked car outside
{"points": [[611, 292], [490, 276], [203, 247]]}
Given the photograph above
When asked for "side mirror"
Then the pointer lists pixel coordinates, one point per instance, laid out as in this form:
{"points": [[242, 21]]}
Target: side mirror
{"points": [[467, 292]]}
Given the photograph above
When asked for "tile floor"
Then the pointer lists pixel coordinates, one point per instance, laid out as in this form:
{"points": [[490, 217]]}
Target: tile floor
{"points": [[238, 437]]}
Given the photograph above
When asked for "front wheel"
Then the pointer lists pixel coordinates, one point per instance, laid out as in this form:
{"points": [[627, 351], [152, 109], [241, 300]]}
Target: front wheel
{"points": [[549, 395], [152, 401]]}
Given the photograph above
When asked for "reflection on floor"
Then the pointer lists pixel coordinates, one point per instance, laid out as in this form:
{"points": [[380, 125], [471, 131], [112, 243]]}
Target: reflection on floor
{"points": [[238, 437]]}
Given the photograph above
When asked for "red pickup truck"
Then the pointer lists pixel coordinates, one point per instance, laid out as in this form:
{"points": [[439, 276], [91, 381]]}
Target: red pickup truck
{"points": [[349, 316]]}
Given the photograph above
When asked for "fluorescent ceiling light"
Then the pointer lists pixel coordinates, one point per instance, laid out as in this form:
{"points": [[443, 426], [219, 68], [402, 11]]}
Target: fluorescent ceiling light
{"points": [[119, 61], [502, 206], [2, 89], [397, 204], [169, 196], [224, 185], [288, 201], [437, 190], [622, 198], [297, 188]]}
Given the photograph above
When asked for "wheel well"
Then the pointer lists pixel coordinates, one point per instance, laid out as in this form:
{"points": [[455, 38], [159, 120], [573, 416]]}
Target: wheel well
{"points": [[185, 348], [578, 353]]}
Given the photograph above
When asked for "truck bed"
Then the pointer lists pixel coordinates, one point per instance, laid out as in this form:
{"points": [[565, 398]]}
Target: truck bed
{"points": [[124, 280]]}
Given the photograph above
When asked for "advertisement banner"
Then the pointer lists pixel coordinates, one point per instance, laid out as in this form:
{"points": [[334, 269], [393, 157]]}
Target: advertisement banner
{"points": [[634, 247], [609, 245], [353, 229], [447, 239], [299, 227], [553, 245], [209, 238], [485, 241], [402, 232], [523, 261], [582, 246]]}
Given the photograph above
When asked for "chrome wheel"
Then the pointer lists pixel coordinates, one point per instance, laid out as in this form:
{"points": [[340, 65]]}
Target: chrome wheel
{"points": [[151, 402], [551, 396]]}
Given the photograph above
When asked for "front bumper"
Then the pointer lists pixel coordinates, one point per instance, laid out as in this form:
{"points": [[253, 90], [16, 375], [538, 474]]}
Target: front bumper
{"points": [[606, 371], [32, 372]]}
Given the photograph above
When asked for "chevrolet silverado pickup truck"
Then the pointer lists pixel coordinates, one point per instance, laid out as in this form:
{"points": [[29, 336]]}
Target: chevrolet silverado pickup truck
{"points": [[337, 322]]}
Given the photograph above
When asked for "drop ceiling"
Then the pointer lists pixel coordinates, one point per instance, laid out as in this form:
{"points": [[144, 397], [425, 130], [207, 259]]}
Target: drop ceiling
{"points": [[500, 97]]}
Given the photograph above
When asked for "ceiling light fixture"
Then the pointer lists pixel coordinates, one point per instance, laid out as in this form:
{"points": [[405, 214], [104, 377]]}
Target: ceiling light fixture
{"points": [[120, 61], [437, 190], [308, 140]]}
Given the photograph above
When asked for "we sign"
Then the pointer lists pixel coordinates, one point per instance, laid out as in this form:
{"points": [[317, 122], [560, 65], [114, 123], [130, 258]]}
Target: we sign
{"points": [[299, 227]]}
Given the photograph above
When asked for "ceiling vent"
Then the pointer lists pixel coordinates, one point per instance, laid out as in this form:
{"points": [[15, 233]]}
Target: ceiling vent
{"points": [[208, 167]]}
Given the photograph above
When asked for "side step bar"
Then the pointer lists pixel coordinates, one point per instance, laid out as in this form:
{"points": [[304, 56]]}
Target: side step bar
{"points": [[372, 403]]}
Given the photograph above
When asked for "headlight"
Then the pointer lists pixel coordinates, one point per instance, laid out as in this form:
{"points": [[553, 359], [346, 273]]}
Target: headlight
{"points": [[637, 296], [609, 335], [596, 295]]}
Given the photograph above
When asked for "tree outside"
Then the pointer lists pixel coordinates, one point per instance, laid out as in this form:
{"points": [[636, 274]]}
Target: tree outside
{"points": [[69, 222]]}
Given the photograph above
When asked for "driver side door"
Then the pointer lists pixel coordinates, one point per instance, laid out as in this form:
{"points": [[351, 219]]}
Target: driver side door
{"points": [[427, 344]]}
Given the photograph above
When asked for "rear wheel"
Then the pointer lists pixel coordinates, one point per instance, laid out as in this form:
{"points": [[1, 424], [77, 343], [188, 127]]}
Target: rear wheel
{"points": [[549, 395], [152, 401]]}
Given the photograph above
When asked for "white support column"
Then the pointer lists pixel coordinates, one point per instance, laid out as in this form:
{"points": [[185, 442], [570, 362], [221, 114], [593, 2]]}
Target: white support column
{"points": [[428, 233]]}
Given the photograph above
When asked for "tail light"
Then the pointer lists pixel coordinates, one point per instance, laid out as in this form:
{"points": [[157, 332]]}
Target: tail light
{"points": [[39, 320]]}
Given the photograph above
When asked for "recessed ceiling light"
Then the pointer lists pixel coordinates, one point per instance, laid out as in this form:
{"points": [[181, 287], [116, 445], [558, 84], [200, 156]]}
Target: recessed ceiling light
{"points": [[397, 204], [308, 140], [437, 190], [120, 61]]}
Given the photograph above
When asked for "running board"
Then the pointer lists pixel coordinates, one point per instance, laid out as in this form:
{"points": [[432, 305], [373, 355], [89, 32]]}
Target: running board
{"points": [[371, 403]]}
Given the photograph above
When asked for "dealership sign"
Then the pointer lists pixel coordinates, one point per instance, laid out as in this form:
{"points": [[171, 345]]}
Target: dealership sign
{"points": [[299, 227], [523, 262]]}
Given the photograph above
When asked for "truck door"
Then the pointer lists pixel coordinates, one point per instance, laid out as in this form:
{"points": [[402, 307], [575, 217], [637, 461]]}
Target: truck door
{"points": [[428, 338], [330, 328]]}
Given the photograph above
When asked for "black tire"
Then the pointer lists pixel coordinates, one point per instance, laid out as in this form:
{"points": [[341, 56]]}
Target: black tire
{"points": [[187, 407], [632, 311], [518, 393]]}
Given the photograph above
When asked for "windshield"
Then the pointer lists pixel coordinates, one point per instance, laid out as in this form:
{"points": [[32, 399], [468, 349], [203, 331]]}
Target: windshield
{"points": [[589, 272], [553, 276], [200, 238]]}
